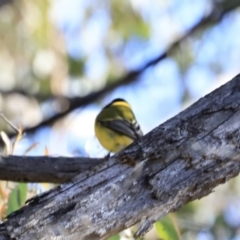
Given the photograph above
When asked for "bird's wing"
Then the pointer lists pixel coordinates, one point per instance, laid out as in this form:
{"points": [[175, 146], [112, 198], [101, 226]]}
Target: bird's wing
{"points": [[123, 127]]}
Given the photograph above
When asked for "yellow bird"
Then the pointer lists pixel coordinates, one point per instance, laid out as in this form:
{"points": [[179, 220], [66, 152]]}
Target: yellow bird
{"points": [[116, 126]]}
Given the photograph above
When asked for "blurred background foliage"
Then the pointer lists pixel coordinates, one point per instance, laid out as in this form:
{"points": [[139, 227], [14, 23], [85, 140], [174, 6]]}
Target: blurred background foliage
{"points": [[61, 61]]}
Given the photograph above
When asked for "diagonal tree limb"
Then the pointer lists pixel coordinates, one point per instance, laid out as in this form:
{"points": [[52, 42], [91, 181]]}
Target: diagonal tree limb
{"points": [[43, 169], [181, 160], [216, 15]]}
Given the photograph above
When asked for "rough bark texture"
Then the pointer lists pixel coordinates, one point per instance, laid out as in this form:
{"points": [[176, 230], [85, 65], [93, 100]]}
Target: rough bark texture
{"points": [[181, 160], [43, 169]]}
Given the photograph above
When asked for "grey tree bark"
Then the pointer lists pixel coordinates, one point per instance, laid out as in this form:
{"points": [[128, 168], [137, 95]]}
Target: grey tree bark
{"points": [[181, 160], [43, 169]]}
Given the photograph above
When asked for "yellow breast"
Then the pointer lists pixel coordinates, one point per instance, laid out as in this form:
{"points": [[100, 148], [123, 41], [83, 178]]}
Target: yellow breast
{"points": [[110, 140]]}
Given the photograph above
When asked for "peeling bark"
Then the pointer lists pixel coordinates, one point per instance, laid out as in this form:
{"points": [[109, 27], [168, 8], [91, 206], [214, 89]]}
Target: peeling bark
{"points": [[181, 160]]}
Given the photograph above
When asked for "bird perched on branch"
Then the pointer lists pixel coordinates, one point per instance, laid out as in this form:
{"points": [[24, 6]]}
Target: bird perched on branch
{"points": [[116, 126]]}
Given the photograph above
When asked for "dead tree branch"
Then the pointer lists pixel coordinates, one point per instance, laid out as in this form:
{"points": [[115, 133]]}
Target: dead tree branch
{"points": [[181, 160], [43, 169]]}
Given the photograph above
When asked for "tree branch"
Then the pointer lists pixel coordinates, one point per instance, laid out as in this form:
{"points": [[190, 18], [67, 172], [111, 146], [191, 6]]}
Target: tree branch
{"points": [[217, 14], [43, 169], [181, 160], [4, 2]]}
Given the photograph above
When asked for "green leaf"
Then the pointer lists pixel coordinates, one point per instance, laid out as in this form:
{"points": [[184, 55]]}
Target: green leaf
{"points": [[115, 237], [166, 230], [17, 197], [75, 66]]}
